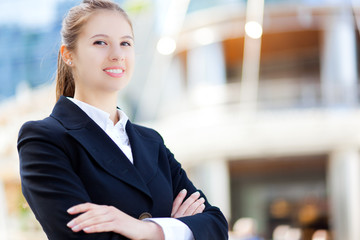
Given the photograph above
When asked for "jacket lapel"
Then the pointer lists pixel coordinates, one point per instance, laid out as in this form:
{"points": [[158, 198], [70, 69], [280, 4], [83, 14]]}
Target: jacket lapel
{"points": [[105, 151], [145, 152]]}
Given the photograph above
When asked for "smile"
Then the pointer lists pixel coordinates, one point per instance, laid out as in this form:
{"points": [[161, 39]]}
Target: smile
{"points": [[114, 70]]}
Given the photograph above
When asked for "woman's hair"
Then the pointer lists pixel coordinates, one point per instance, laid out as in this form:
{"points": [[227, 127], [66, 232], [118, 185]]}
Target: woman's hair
{"points": [[71, 28]]}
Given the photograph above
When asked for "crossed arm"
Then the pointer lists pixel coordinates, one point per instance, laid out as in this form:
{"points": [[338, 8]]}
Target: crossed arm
{"points": [[50, 184], [95, 218]]}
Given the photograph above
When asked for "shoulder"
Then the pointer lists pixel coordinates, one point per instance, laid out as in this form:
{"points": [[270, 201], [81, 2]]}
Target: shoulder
{"points": [[148, 132], [47, 127]]}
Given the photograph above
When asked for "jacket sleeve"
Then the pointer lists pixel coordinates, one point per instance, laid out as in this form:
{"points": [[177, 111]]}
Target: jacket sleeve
{"points": [[208, 225], [49, 182]]}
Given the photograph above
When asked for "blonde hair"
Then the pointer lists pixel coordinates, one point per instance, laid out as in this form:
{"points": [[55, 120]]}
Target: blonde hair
{"points": [[71, 28]]}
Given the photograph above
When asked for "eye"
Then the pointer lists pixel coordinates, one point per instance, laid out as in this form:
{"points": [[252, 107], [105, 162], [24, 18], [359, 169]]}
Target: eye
{"points": [[102, 43], [128, 44]]}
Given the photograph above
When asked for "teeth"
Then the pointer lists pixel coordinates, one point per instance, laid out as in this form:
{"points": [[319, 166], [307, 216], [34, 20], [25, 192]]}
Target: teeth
{"points": [[114, 70]]}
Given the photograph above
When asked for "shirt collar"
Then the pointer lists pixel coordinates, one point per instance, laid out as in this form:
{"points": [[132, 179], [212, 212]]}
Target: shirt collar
{"points": [[99, 116]]}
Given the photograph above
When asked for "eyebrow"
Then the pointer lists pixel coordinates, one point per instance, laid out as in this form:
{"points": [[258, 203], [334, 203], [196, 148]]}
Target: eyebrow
{"points": [[106, 36]]}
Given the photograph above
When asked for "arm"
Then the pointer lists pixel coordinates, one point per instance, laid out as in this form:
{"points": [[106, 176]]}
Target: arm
{"points": [[49, 182], [173, 228], [208, 225], [100, 218], [51, 187]]}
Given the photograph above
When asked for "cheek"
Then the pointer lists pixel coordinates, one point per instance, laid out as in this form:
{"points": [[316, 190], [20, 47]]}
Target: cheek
{"points": [[130, 61], [92, 56]]}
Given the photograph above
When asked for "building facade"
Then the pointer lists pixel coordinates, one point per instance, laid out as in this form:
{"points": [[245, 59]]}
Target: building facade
{"points": [[268, 126]]}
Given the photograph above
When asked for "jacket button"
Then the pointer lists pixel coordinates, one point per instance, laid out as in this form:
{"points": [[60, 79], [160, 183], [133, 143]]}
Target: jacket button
{"points": [[145, 215]]}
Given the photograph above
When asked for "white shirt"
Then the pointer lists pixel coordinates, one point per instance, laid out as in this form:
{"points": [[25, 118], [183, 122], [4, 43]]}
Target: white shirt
{"points": [[173, 229]]}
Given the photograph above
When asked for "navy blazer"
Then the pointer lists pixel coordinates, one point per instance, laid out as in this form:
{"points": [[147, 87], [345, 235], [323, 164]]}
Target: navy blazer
{"points": [[67, 159]]}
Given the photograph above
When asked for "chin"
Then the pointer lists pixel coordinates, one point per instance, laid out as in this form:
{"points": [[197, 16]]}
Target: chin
{"points": [[117, 88]]}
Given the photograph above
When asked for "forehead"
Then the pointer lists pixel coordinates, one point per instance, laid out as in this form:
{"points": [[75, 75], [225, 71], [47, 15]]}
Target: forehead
{"points": [[111, 23]]}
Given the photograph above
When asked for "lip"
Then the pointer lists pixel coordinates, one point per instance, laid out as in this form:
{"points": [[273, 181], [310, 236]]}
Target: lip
{"points": [[115, 74]]}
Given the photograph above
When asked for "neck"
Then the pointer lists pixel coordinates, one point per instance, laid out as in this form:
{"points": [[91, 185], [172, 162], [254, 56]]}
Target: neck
{"points": [[106, 102]]}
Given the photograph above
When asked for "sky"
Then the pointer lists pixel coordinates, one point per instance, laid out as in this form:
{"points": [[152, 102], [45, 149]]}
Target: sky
{"points": [[29, 13], [39, 13]]}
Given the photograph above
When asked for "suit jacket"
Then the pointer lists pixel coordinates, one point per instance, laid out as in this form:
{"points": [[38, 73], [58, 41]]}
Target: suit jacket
{"points": [[67, 159]]}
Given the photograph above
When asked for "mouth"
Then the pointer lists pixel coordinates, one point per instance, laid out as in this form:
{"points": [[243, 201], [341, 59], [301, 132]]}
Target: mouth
{"points": [[114, 71]]}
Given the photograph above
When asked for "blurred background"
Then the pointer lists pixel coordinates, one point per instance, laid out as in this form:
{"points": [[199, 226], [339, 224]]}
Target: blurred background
{"points": [[258, 100]]}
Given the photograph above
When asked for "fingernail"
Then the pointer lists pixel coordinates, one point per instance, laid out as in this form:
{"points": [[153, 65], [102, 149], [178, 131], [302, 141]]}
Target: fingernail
{"points": [[202, 199], [183, 191], [70, 224], [196, 193], [75, 228], [71, 210]]}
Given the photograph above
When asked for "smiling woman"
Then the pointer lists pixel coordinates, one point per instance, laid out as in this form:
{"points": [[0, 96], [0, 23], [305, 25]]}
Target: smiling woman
{"points": [[86, 171], [103, 59], [97, 33]]}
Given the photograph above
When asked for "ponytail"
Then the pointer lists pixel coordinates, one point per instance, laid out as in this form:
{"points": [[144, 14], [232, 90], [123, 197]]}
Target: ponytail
{"points": [[65, 84]]}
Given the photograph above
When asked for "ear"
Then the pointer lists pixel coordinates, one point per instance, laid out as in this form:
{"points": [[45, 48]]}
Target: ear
{"points": [[66, 55]]}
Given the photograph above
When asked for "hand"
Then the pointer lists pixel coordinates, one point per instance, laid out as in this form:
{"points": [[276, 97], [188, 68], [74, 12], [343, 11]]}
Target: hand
{"points": [[191, 206], [101, 218]]}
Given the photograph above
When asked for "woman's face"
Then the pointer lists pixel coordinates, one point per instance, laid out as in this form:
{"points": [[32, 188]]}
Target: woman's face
{"points": [[104, 56]]}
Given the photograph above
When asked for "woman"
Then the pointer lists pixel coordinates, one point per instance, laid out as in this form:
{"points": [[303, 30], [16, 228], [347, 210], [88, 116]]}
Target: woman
{"points": [[89, 173]]}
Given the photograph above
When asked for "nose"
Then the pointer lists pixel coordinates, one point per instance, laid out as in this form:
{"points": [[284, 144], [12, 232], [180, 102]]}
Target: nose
{"points": [[117, 58], [116, 54]]}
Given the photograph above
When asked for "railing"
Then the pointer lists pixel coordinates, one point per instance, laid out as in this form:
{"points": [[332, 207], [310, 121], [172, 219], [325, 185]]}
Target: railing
{"points": [[274, 94]]}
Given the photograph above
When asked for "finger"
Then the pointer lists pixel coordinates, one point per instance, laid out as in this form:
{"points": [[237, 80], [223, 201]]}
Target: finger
{"points": [[92, 216], [178, 200], [200, 209], [192, 208], [101, 227], [80, 208], [185, 205], [90, 222]]}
